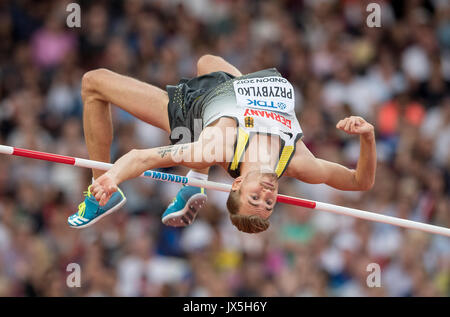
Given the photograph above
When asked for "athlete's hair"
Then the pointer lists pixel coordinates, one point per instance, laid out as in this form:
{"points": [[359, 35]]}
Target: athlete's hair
{"points": [[245, 223]]}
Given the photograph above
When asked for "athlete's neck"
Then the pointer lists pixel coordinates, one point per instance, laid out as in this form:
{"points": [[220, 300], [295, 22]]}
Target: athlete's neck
{"points": [[247, 167], [261, 155]]}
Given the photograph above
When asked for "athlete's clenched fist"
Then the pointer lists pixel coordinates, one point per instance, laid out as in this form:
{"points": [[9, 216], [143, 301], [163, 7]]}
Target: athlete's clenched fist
{"points": [[355, 125]]}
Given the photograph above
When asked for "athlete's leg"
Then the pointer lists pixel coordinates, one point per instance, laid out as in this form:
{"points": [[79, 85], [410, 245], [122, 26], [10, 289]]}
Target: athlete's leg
{"points": [[102, 87], [99, 89], [210, 63]]}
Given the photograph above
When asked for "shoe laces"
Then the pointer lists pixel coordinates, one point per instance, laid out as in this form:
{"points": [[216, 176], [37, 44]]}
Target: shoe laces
{"points": [[82, 206]]}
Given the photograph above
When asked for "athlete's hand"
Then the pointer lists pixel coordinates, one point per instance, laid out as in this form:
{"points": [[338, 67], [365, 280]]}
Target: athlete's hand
{"points": [[355, 125], [103, 187]]}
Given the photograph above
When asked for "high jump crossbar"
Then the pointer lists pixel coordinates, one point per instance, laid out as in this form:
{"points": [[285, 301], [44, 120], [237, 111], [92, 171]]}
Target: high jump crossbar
{"points": [[167, 177]]}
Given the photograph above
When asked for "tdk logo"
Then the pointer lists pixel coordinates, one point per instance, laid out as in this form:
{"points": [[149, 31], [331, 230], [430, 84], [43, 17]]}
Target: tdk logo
{"points": [[261, 103]]}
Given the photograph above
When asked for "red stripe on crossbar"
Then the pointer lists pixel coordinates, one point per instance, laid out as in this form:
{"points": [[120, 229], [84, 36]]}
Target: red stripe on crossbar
{"points": [[44, 156], [296, 201]]}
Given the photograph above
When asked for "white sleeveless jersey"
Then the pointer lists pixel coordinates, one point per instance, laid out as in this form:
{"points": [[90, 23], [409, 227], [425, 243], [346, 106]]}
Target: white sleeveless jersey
{"points": [[261, 102]]}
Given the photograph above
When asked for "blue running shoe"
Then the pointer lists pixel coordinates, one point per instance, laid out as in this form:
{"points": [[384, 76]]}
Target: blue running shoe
{"points": [[89, 211], [185, 206]]}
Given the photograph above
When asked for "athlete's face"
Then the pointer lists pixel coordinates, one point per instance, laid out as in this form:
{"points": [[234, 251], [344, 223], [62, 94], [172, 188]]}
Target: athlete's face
{"points": [[258, 193]]}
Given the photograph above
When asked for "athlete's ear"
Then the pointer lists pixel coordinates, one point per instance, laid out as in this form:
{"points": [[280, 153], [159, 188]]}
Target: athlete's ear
{"points": [[237, 183]]}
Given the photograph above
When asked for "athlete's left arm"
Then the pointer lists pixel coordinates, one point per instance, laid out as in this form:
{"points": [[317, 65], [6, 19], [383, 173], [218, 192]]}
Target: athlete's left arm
{"points": [[307, 168]]}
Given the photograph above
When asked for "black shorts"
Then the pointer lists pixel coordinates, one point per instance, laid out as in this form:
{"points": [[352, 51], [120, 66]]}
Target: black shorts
{"points": [[185, 102]]}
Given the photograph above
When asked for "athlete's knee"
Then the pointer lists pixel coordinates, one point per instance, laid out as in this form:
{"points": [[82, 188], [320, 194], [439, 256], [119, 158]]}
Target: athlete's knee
{"points": [[207, 60], [91, 82]]}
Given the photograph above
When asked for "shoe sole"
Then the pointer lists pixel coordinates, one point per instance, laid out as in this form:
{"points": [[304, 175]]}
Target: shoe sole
{"points": [[118, 206], [186, 216]]}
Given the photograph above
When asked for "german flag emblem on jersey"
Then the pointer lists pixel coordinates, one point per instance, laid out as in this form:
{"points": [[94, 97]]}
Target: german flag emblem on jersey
{"points": [[249, 122]]}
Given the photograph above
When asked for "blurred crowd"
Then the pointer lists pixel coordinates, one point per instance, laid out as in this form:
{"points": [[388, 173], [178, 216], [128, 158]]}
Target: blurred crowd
{"points": [[395, 76]]}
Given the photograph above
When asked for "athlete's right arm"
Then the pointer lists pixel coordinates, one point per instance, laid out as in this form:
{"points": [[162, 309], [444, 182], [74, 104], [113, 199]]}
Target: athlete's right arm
{"points": [[136, 162]]}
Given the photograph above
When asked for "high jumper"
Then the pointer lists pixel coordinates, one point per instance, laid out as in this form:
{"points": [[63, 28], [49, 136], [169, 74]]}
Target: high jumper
{"points": [[246, 124]]}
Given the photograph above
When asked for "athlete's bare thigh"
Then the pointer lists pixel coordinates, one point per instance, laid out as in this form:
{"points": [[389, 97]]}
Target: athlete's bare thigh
{"points": [[142, 100]]}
